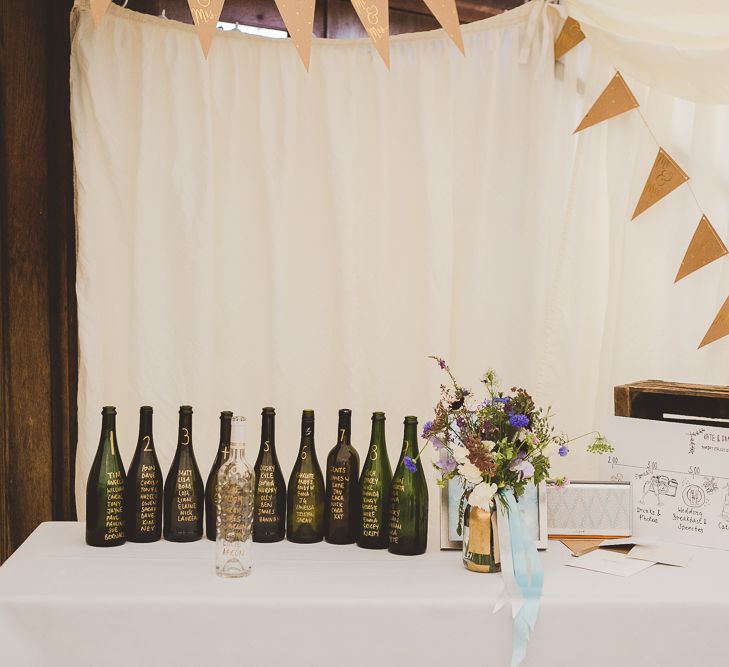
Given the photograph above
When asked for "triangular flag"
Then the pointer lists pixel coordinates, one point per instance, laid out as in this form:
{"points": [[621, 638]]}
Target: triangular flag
{"points": [[569, 37], [719, 327], [446, 14], [205, 15], [705, 247], [98, 9], [614, 100], [298, 16], [375, 18], [664, 178]]}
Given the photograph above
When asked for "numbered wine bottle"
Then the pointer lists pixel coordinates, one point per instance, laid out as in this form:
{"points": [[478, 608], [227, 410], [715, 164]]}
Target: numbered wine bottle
{"points": [[408, 506], [269, 515], [211, 487], [341, 509], [184, 489], [305, 499], [374, 485], [144, 486], [105, 488]]}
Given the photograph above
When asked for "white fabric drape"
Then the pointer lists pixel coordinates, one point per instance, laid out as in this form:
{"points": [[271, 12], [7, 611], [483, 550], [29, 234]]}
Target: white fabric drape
{"points": [[680, 47], [250, 234]]}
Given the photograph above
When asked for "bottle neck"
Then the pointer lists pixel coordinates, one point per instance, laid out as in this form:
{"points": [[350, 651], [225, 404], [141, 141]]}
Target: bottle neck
{"points": [[307, 433], [145, 425], [237, 452], [410, 440], [224, 442], [268, 431], [378, 432], [184, 432], [344, 431], [108, 423]]}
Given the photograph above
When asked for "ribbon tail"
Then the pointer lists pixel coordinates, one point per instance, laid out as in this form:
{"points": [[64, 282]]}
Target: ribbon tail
{"points": [[510, 592], [529, 577]]}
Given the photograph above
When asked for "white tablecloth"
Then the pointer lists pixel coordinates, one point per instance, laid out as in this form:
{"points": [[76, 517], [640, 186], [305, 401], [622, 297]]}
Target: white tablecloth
{"points": [[63, 603]]}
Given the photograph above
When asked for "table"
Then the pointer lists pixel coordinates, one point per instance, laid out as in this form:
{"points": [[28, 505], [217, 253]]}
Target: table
{"points": [[63, 603]]}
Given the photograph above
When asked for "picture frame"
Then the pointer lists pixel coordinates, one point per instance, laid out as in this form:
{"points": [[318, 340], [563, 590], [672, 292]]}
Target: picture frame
{"points": [[533, 505]]}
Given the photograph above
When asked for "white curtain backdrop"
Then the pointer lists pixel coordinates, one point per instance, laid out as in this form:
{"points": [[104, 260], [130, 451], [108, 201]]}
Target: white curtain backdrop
{"points": [[250, 234]]}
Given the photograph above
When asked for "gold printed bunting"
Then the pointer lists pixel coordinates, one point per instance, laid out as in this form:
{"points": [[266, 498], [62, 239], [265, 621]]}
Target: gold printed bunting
{"points": [[298, 16], [569, 37], [375, 18], [719, 327], [614, 100], [664, 178], [98, 9], [705, 247], [446, 14], [205, 15]]}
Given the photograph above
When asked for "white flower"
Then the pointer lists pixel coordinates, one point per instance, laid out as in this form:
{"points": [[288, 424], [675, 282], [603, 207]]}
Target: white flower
{"points": [[482, 494], [470, 472], [488, 445], [460, 454]]}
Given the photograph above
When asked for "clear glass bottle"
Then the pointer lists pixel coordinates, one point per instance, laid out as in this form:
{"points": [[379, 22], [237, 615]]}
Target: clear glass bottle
{"points": [[234, 504]]}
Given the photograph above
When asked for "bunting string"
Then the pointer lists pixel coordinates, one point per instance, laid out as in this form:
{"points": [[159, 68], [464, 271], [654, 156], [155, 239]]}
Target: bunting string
{"points": [[665, 176]]}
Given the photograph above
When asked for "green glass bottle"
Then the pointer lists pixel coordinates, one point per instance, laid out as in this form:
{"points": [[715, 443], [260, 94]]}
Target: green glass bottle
{"points": [[341, 509], [211, 486], [408, 506], [269, 512], [144, 486], [184, 489], [374, 487], [305, 499], [105, 488]]}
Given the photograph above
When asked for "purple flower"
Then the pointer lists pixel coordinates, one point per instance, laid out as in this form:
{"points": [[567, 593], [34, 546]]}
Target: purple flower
{"points": [[410, 464], [525, 468], [446, 462], [461, 422], [442, 364], [564, 450], [427, 428], [518, 421], [499, 399], [437, 443]]}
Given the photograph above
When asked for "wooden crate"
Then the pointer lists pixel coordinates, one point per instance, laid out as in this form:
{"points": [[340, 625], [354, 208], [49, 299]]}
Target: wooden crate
{"points": [[655, 399]]}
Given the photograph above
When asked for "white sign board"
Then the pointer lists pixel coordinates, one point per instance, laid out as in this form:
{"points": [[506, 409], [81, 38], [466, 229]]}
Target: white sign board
{"points": [[680, 479]]}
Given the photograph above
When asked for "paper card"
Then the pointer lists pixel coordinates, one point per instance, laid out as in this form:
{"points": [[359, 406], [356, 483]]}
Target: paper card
{"points": [[609, 562], [581, 547], [658, 553], [680, 478]]}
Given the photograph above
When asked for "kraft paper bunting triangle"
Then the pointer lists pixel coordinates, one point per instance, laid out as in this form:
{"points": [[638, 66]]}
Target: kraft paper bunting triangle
{"points": [[664, 178], [719, 327], [298, 16], [205, 15], [98, 9], [705, 247], [569, 37], [446, 14], [614, 100], [375, 18]]}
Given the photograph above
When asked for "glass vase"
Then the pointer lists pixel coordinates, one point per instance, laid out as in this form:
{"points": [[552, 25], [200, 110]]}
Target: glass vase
{"points": [[481, 539]]}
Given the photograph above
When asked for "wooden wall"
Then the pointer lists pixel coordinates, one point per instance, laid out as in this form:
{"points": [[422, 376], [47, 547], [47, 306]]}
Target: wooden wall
{"points": [[37, 270], [38, 330]]}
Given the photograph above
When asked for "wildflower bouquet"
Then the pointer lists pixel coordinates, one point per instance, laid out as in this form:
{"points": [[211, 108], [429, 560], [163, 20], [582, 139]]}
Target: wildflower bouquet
{"points": [[498, 444]]}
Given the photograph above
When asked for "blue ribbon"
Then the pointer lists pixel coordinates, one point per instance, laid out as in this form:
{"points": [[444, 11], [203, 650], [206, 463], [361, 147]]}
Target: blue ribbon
{"points": [[529, 577]]}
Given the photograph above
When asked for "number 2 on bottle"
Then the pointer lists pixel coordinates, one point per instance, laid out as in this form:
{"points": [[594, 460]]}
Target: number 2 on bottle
{"points": [[147, 442]]}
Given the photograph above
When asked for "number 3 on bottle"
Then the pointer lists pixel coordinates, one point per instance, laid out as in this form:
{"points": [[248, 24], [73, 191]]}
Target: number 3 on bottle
{"points": [[186, 436]]}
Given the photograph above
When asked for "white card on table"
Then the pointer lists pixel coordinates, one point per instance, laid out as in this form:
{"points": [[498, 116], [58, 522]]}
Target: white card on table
{"points": [[680, 478], [609, 562], [659, 553]]}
